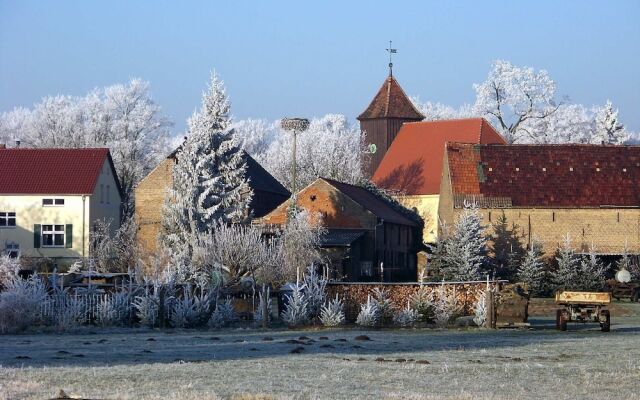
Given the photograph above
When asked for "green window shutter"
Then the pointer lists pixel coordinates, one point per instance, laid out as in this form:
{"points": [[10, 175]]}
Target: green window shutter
{"points": [[37, 230], [68, 236]]}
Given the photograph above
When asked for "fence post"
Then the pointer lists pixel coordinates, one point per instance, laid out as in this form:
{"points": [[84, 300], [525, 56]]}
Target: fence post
{"points": [[265, 308], [490, 322], [161, 306]]}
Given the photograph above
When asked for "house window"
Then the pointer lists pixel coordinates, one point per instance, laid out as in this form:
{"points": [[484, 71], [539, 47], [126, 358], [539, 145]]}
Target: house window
{"points": [[108, 194], [7, 219], [52, 235], [52, 202], [101, 193], [366, 268], [12, 250]]}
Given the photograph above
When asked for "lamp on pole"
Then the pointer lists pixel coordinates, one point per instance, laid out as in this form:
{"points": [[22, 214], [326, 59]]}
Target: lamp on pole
{"points": [[294, 125]]}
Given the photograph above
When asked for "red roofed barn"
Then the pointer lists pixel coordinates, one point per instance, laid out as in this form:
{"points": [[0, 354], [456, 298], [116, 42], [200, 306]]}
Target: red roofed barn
{"points": [[591, 192], [412, 167], [50, 200]]}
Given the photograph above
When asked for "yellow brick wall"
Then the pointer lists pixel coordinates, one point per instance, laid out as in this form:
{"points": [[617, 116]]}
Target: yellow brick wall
{"points": [[149, 197], [427, 208]]}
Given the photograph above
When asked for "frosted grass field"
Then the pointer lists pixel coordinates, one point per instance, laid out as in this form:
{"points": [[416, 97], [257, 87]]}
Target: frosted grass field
{"points": [[397, 364]]}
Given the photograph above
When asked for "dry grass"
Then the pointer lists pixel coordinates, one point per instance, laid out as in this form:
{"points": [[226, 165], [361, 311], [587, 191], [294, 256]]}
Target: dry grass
{"points": [[395, 364]]}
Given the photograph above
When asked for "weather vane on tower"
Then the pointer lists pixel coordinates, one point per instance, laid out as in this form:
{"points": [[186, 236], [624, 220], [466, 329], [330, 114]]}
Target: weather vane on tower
{"points": [[391, 51]]}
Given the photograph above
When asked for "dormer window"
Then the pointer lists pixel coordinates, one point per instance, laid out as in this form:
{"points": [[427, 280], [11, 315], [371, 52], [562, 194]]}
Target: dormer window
{"points": [[52, 202]]}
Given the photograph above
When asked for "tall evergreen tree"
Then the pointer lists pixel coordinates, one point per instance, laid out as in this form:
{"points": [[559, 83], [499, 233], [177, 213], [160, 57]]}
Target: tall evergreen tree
{"points": [[592, 272], [532, 269], [567, 275], [209, 178], [466, 249]]}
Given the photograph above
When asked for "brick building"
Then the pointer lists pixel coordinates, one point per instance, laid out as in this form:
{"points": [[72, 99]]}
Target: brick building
{"points": [[364, 230], [590, 192], [268, 193], [412, 167]]}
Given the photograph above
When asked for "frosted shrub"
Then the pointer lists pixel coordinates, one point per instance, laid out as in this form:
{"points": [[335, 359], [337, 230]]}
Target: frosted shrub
{"points": [[296, 312], [332, 313], [20, 303], [9, 268], [532, 269], [147, 307], [423, 302], [446, 307], [69, 312], [593, 272], [224, 314], [369, 314], [114, 309], [406, 317], [567, 275], [480, 310], [383, 304], [182, 312], [257, 315], [314, 290]]}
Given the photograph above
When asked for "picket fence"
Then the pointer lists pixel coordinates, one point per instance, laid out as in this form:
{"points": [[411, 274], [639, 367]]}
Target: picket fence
{"points": [[83, 307]]}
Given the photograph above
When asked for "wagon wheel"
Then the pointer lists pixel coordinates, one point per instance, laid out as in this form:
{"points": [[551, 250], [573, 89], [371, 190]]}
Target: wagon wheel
{"points": [[606, 325]]}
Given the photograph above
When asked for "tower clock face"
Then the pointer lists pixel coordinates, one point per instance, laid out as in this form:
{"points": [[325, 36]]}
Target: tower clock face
{"points": [[373, 148]]}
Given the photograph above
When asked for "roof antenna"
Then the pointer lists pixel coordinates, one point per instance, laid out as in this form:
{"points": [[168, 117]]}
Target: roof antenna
{"points": [[391, 50]]}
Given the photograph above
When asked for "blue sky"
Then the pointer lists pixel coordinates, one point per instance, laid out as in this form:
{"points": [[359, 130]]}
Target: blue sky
{"points": [[285, 58]]}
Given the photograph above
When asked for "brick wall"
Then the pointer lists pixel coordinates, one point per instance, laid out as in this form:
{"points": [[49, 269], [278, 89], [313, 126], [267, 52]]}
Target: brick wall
{"points": [[337, 210], [149, 197]]}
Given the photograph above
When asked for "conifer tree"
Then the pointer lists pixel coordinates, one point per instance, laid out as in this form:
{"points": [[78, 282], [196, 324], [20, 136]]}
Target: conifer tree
{"points": [[532, 269], [209, 178], [592, 272], [567, 275], [466, 249]]}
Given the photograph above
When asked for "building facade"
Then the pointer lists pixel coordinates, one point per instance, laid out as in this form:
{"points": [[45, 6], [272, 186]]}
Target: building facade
{"points": [[367, 239], [51, 199], [589, 192], [150, 194], [412, 168]]}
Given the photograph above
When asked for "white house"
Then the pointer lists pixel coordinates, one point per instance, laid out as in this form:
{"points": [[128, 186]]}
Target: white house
{"points": [[50, 200]]}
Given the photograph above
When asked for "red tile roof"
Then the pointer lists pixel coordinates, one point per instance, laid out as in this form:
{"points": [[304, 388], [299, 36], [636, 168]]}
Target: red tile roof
{"points": [[576, 176], [51, 171], [391, 102], [413, 163]]}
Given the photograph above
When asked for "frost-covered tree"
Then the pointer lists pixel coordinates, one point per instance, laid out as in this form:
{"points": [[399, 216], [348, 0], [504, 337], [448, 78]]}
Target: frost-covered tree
{"points": [[532, 269], [369, 314], [466, 248], [480, 310], [332, 312], [608, 129], [20, 303], [383, 304], [224, 314], [314, 290], [256, 136], [330, 148], [625, 263], [438, 111], [567, 274], [209, 177], [446, 307], [296, 310], [122, 117], [422, 300], [406, 317], [299, 244], [258, 316], [593, 271], [512, 97]]}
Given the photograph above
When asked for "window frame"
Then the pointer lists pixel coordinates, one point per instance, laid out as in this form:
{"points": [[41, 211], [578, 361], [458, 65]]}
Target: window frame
{"points": [[53, 232], [7, 218], [55, 202]]}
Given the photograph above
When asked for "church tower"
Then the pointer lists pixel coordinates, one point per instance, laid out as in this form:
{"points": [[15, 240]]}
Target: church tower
{"points": [[381, 121]]}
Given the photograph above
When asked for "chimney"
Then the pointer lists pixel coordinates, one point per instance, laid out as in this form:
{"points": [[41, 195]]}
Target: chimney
{"points": [[17, 143]]}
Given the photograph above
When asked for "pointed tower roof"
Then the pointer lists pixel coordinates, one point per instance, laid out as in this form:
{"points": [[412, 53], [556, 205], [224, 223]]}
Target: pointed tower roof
{"points": [[391, 102]]}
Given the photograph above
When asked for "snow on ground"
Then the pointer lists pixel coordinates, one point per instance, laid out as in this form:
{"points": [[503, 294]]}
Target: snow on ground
{"points": [[328, 363]]}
